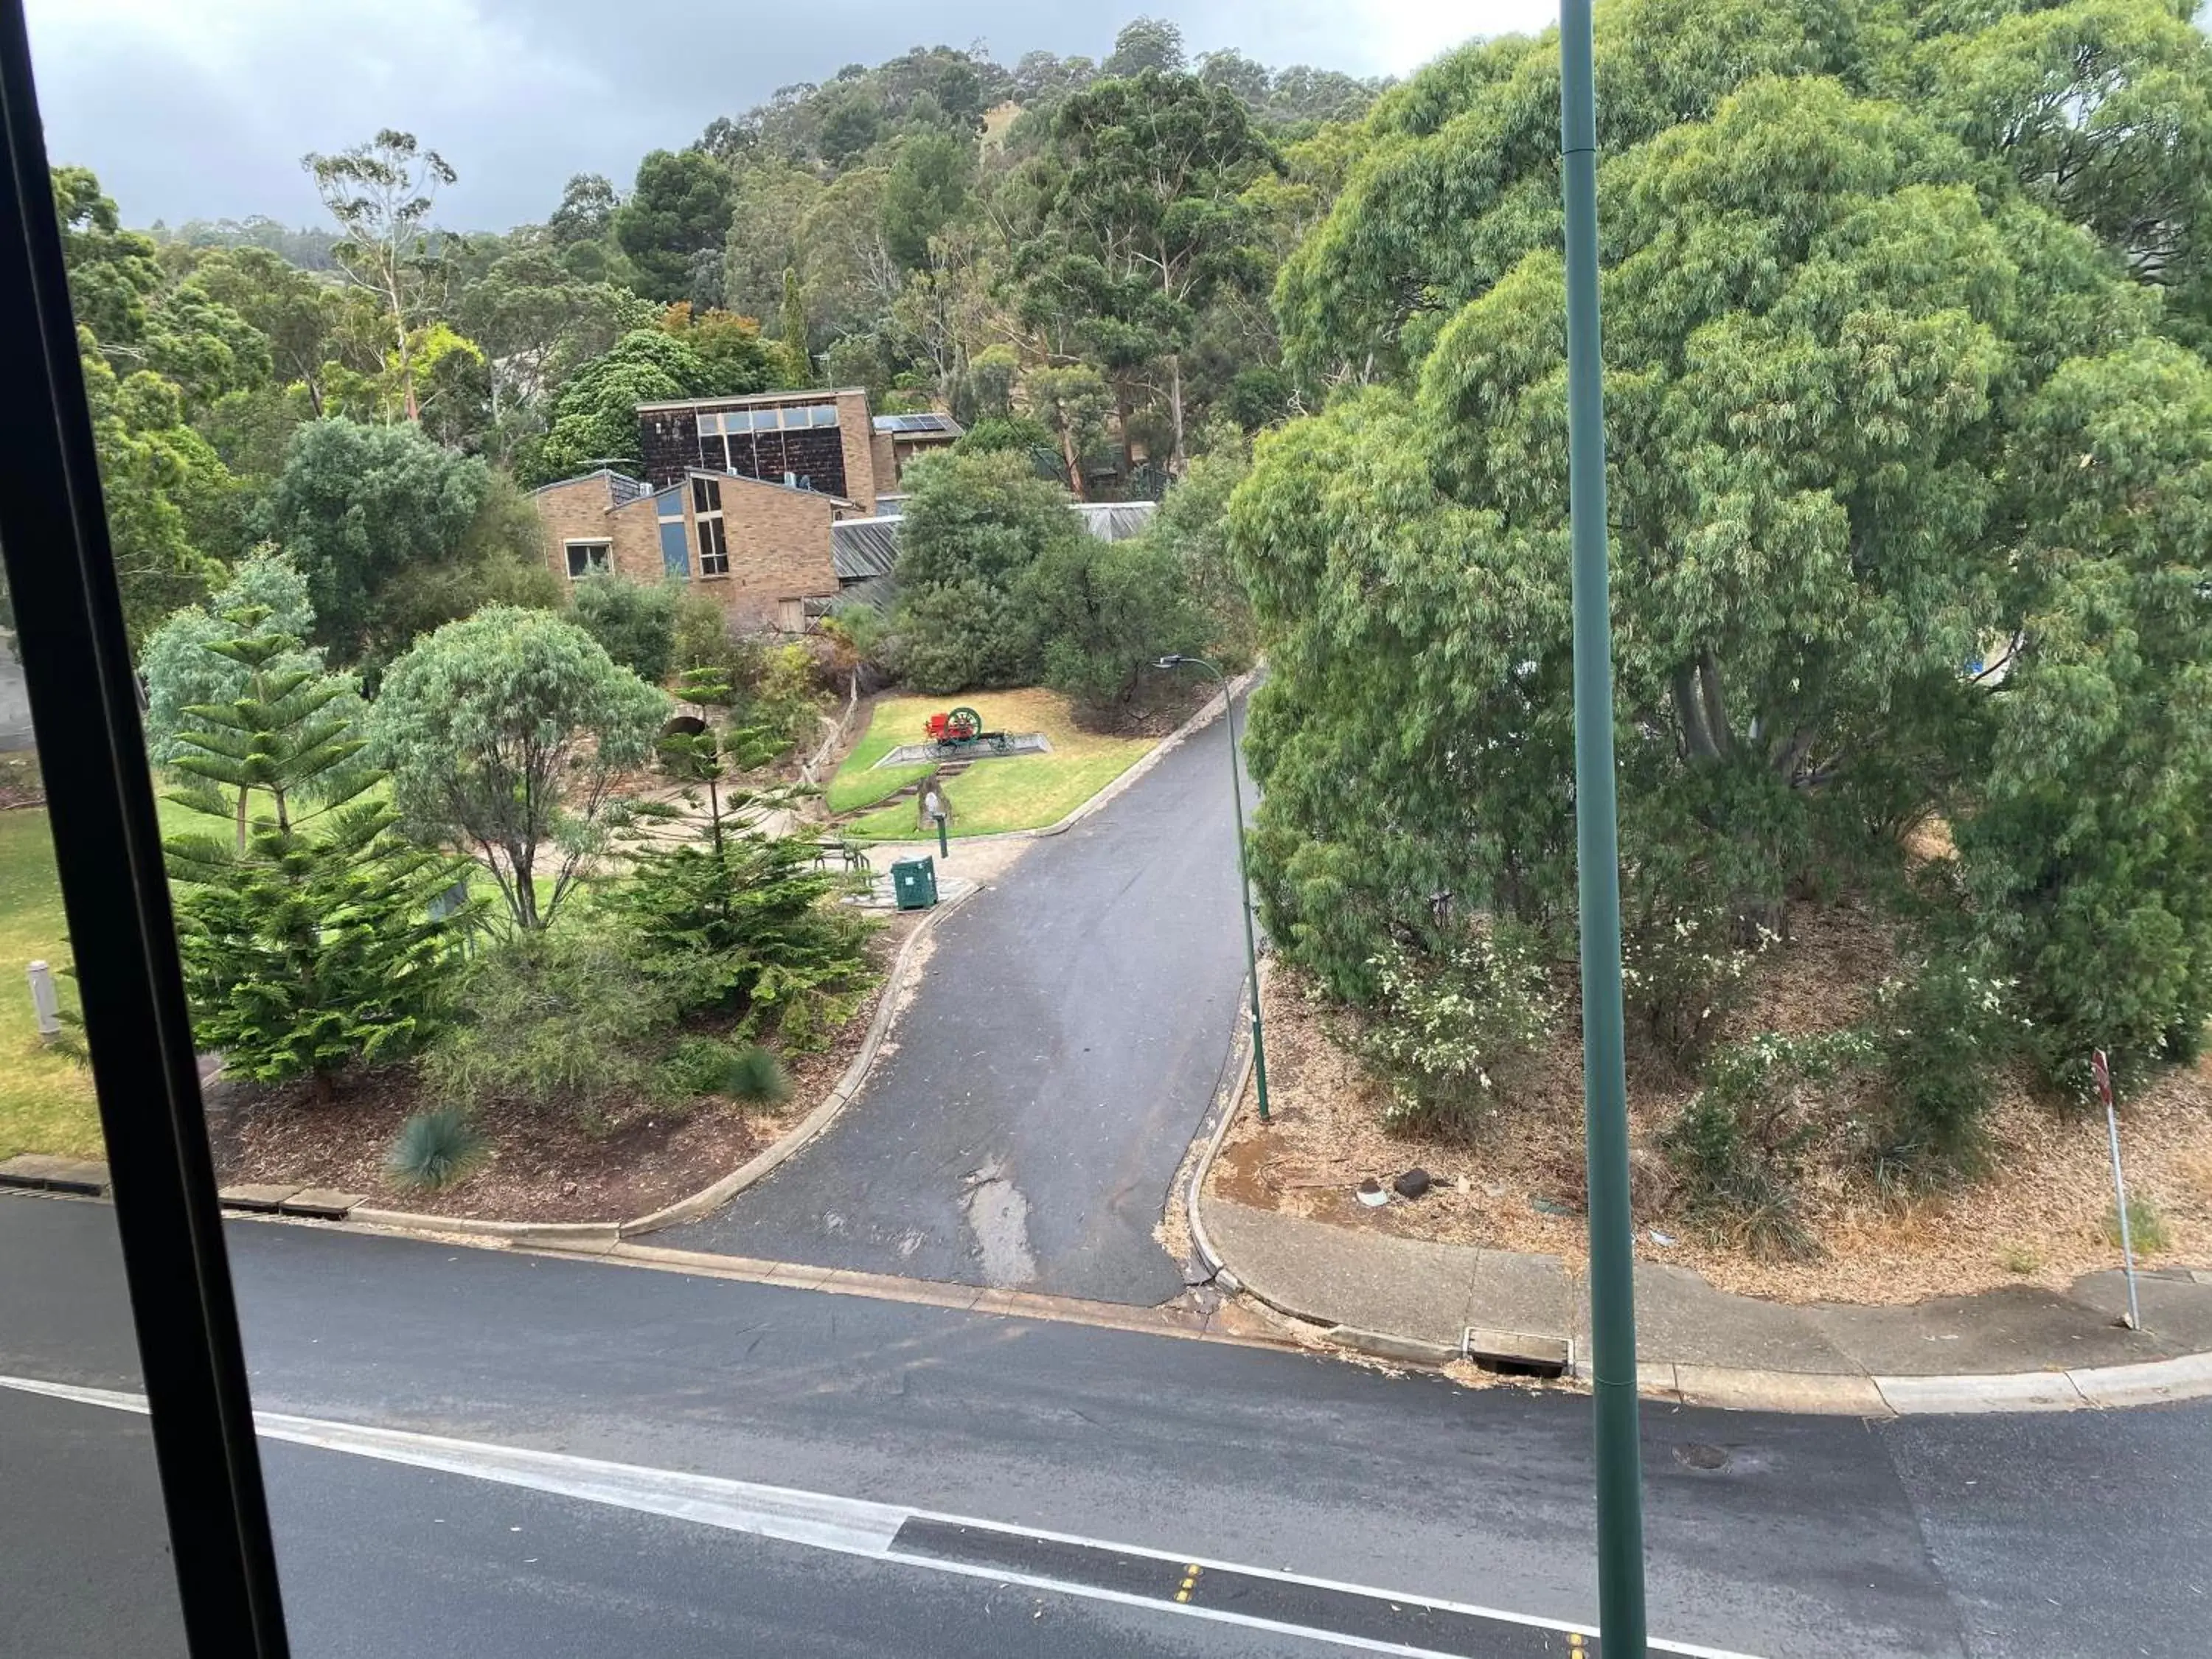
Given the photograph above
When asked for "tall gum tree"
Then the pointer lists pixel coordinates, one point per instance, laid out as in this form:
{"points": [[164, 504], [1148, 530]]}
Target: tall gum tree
{"points": [[1904, 470]]}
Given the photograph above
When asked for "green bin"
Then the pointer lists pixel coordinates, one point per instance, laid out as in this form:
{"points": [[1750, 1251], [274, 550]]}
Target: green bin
{"points": [[913, 883]]}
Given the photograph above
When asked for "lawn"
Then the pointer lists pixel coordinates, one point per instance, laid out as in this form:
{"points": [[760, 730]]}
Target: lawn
{"points": [[1022, 792], [46, 1098]]}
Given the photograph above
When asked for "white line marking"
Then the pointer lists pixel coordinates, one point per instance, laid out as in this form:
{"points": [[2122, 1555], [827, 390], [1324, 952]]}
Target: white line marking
{"points": [[849, 1526]]}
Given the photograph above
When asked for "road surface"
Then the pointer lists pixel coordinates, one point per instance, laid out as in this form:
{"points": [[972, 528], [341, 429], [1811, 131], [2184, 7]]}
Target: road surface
{"points": [[1022, 1128], [2000, 1538]]}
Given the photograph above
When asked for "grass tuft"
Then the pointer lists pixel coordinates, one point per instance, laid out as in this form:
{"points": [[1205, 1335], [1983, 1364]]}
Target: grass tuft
{"points": [[757, 1077], [2145, 1226], [437, 1149]]}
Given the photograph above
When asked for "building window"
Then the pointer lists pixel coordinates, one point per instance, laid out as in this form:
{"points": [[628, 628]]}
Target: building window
{"points": [[713, 448], [589, 559], [713, 542]]}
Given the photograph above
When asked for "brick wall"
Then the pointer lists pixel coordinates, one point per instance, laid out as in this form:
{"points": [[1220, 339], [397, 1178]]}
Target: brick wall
{"points": [[576, 510], [884, 454], [863, 482], [779, 542]]}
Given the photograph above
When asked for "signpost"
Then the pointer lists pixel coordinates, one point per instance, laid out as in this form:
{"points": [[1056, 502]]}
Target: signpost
{"points": [[2101, 1069]]}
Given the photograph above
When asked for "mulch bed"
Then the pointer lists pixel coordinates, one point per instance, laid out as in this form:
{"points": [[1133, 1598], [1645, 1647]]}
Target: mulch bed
{"points": [[2037, 1218], [543, 1166]]}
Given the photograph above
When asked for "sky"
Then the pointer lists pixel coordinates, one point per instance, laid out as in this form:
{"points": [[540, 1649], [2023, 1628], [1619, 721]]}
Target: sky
{"points": [[202, 108]]}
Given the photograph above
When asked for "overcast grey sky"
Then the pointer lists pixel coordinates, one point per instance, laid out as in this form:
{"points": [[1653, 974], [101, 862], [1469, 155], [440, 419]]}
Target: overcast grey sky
{"points": [[202, 108]]}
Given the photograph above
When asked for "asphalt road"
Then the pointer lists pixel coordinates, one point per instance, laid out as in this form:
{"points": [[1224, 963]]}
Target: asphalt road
{"points": [[1044, 1083], [2029, 1538]]}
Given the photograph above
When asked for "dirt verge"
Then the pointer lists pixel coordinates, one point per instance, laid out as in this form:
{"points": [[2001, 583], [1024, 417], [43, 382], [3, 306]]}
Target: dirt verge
{"points": [[2037, 1218]]}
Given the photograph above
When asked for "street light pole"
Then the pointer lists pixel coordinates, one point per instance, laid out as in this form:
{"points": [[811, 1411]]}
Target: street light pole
{"points": [[1244, 869], [1605, 1083]]}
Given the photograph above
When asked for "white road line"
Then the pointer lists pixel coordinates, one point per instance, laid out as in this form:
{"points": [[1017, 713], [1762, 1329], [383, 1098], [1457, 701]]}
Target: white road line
{"points": [[849, 1526]]}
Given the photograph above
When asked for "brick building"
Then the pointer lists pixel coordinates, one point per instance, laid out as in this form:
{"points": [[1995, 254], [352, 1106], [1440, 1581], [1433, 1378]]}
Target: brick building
{"points": [[760, 550], [738, 498]]}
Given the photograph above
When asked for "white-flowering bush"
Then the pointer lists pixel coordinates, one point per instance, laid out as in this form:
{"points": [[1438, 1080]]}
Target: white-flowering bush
{"points": [[1680, 974], [1446, 1022]]}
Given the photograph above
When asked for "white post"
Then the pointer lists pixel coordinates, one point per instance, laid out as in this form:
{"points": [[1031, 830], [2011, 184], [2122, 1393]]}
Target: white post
{"points": [[2101, 1069], [45, 1002]]}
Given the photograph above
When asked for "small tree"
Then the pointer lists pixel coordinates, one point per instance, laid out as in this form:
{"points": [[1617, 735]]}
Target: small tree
{"points": [[312, 948], [973, 525], [735, 926], [507, 732]]}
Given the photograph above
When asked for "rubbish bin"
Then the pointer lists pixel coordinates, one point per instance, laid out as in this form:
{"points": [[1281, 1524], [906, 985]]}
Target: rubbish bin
{"points": [[913, 883]]}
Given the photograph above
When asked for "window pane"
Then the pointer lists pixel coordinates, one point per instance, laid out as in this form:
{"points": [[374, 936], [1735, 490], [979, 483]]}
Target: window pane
{"points": [[824, 415]]}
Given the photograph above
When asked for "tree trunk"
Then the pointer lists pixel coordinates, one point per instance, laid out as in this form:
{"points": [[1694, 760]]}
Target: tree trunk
{"points": [[242, 794], [1074, 461], [1174, 408]]}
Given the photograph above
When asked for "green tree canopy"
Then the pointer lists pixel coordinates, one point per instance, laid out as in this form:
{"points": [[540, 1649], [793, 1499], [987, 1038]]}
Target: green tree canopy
{"points": [[1863, 387], [1143, 221], [595, 415], [679, 209], [362, 510], [506, 734], [974, 524]]}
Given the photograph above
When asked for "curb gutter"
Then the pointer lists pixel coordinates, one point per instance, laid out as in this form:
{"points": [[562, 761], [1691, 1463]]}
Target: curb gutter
{"points": [[759, 1167], [2149, 1382]]}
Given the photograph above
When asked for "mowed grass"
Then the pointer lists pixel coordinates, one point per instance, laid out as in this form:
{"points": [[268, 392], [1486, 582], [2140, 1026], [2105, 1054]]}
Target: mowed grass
{"points": [[1021, 792], [47, 1101]]}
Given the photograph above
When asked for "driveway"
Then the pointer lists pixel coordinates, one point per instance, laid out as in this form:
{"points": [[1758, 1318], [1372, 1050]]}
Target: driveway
{"points": [[1022, 1128]]}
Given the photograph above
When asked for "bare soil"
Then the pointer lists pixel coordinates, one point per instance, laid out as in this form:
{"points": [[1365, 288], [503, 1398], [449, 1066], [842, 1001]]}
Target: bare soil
{"points": [[2036, 1218], [544, 1165]]}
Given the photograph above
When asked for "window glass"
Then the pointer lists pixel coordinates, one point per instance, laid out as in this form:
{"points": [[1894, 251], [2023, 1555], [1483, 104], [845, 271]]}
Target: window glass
{"points": [[825, 414], [588, 558]]}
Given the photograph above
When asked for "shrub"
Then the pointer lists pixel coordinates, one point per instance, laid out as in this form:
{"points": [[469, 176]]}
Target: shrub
{"points": [[1445, 1023], [1681, 973], [635, 622], [737, 928], [756, 1077], [558, 1020], [787, 701], [700, 638], [1739, 1144], [1940, 1033], [1103, 610], [994, 434], [437, 1149]]}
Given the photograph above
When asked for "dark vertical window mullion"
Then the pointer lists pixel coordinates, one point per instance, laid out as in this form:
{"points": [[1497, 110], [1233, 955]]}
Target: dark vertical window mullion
{"points": [[76, 661]]}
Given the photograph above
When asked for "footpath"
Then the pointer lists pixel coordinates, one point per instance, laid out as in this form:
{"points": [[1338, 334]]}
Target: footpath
{"points": [[2017, 1348]]}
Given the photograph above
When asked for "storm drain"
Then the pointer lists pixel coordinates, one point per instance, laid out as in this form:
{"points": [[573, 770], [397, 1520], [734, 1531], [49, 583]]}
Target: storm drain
{"points": [[1518, 1353]]}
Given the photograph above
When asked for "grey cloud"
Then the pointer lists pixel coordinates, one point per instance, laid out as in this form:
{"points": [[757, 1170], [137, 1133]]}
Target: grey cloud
{"points": [[544, 88]]}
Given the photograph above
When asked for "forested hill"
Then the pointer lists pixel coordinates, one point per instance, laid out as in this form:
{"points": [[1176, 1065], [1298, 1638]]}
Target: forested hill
{"points": [[1074, 258]]}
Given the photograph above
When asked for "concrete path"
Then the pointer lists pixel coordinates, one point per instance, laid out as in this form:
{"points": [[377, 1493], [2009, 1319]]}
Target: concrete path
{"points": [[1023, 1122], [2016, 1347]]}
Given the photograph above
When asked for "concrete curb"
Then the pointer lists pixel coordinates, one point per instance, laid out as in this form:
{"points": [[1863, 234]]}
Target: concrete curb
{"points": [[759, 1167], [1225, 1115], [1731, 1388]]}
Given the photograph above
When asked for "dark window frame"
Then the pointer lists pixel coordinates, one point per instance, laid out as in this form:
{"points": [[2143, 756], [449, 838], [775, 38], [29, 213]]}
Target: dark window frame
{"points": [[83, 695]]}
